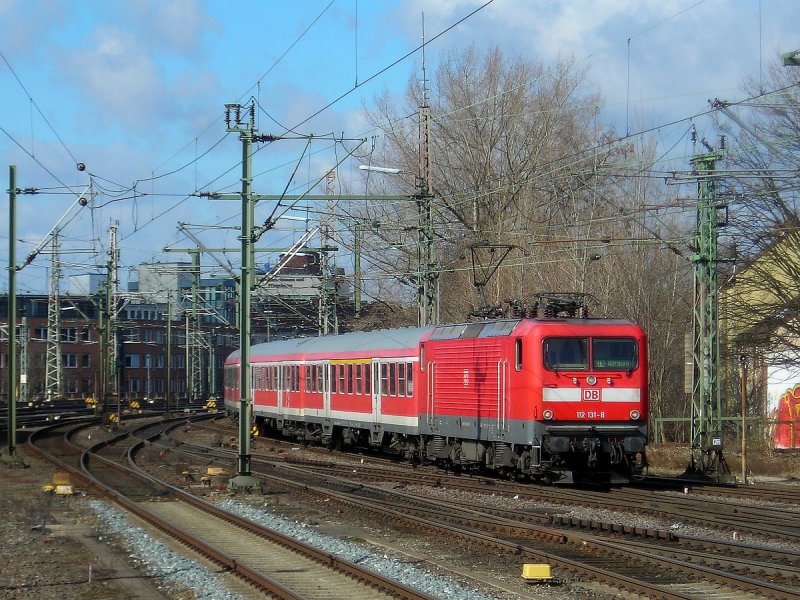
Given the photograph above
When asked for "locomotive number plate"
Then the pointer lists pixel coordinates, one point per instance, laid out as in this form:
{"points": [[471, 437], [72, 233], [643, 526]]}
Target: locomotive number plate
{"points": [[590, 414]]}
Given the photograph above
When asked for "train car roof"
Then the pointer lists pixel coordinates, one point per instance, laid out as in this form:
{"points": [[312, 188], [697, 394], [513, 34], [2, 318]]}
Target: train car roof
{"points": [[381, 339]]}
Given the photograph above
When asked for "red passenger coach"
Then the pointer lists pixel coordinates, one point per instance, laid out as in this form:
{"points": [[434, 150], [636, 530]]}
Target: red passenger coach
{"points": [[535, 398]]}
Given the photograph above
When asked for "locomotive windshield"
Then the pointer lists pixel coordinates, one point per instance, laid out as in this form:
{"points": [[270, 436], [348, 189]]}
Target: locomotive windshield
{"points": [[614, 354], [566, 353], [607, 354]]}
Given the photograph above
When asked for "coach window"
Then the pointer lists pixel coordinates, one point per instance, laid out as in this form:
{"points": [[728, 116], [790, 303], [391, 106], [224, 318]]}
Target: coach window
{"points": [[384, 379], [409, 379], [368, 379], [401, 379], [518, 354], [393, 379], [332, 369], [319, 378], [349, 378], [359, 373], [342, 388]]}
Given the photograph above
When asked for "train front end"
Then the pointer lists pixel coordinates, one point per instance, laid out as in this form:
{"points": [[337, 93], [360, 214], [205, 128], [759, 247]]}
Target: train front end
{"points": [[593, 409]]}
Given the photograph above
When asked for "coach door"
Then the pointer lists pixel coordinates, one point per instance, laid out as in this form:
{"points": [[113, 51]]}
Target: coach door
{"points": [[430, 409], [326, 389], [378, 375]]}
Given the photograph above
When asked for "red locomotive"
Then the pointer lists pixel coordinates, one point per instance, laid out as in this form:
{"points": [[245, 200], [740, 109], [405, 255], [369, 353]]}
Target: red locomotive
{"points": [[537, 398]]}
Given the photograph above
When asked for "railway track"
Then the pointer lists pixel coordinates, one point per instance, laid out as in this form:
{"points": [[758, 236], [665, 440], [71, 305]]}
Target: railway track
{"points": [[270, 562], [642, 569]]}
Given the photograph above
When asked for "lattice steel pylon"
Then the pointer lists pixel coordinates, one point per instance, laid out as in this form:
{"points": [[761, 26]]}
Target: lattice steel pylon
{"points": [[54, 373], [706, 459], [427, 275], [194, 335]]}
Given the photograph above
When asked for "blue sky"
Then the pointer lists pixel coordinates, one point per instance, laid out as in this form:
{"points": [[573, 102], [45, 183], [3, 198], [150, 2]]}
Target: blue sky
{"points": [[136, 89]]}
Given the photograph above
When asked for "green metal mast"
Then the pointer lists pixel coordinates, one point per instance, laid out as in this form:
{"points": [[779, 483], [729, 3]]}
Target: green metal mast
{"points": [[706, 458], [244, 125]]}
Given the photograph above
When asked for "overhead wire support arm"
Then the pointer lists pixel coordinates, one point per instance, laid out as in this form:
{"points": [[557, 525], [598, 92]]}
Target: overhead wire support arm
{"points": [[80, 200]]}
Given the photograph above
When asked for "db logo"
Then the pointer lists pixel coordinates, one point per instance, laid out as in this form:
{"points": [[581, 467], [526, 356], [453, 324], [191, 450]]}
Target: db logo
{"points": [[591, 395]]}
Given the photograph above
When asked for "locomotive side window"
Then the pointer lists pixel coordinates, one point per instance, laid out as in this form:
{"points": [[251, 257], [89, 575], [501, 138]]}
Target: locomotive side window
{"points": [[518, 354], [614, 354], [566, 354]]}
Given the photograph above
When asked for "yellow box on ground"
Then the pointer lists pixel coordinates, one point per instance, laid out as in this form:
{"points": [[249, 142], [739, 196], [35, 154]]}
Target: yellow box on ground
{"points": [[216, 471], [536, 571], [63, 490]]}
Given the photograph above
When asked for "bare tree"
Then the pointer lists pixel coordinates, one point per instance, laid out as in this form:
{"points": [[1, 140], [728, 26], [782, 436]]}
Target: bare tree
{"points": [[518, 154]]}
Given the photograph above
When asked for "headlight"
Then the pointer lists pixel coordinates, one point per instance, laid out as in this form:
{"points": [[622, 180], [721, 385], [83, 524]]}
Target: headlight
{"points": [[547, 414], [634, 415]]}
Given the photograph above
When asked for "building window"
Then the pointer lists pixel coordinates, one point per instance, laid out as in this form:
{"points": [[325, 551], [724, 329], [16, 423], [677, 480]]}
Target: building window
{"points": [[130, 335], [69, 334], [40, 334], [69, 361], [132, 361], [85, 361], [85, 335]]}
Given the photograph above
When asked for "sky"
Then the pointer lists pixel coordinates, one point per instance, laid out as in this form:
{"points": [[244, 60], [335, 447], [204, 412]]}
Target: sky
{"points": [[135, 90]]}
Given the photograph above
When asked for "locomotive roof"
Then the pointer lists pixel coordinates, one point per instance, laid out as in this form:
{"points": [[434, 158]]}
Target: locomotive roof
{"points": [[408, 337]]}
